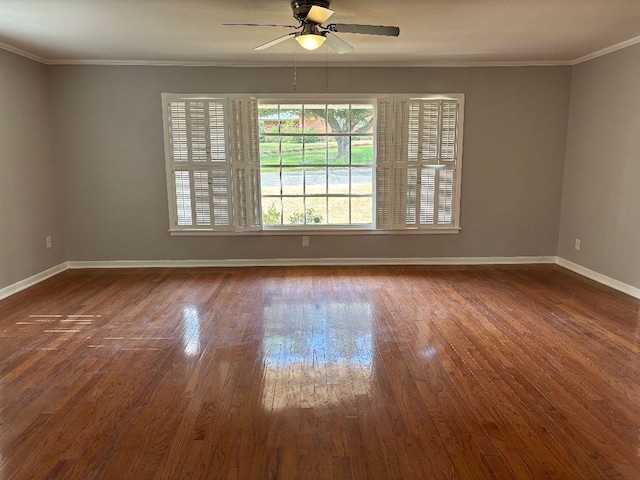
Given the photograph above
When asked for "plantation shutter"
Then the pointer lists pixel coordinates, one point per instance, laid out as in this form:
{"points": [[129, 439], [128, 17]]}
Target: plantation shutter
{"points": [[245, 158], [391, 166], [199, 164], [426, 158], [384, 164]]}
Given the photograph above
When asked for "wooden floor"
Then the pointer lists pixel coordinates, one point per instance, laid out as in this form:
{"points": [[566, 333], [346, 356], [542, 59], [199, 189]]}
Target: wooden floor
{"points": [[340, 372]]}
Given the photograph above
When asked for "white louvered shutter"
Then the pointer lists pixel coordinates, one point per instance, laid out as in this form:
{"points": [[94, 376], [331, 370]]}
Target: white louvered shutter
{"points": [[431, 155], [199, 164], [384, 164], [245, 157], [392, 152]]}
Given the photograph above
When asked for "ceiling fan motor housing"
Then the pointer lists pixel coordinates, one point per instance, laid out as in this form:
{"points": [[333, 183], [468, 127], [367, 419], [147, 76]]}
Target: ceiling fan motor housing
{"points": [[301, 7]]}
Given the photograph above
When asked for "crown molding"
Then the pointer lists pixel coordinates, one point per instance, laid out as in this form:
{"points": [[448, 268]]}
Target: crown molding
{"points": [[23, 53], [425, 64], [435, 64], [605, 51]]}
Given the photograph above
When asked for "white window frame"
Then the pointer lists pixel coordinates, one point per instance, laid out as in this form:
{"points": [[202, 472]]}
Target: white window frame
{"points": [[328, 100], [245, 212]]}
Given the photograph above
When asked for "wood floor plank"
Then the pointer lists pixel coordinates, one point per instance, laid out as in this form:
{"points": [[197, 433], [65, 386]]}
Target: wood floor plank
{"points": [[320, 373]]}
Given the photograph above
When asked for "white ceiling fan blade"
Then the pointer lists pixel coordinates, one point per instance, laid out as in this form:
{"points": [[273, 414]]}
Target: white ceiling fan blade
{"points": [[319, 15], [337, 44], [274, 42]]}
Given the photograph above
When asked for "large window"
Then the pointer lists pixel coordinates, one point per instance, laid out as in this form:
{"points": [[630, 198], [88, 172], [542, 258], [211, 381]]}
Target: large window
{"points": [[316, 164], [244, 164]]}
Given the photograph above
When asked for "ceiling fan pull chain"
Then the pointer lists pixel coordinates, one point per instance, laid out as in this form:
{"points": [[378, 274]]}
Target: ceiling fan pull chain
{"points": [[295, 72], [326, 69]]}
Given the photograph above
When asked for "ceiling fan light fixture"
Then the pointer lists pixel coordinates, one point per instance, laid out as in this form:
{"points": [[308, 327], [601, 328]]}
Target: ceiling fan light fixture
{"points": [[310, 41]]}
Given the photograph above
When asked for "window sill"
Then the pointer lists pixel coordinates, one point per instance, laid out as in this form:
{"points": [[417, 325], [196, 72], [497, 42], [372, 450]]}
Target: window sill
{"points": [[314, 232]]}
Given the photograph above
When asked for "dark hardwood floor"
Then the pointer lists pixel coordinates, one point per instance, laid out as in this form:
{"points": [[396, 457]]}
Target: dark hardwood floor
{"points": [[323, 373]]}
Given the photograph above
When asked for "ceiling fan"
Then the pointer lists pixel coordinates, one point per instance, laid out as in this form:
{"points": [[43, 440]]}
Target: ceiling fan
{"points": [[311, 32]]}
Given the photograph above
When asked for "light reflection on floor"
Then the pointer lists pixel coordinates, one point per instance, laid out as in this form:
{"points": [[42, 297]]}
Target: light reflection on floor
{"points": [[191, 332], [315, 355]]}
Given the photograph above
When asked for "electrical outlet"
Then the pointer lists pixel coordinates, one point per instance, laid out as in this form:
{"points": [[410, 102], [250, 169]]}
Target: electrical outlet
{"points": [[577, 247], [48, 241], [305, 241]]}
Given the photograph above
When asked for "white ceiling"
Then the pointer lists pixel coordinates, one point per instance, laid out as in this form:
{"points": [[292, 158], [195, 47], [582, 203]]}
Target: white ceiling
{"points": [[432, 32]]}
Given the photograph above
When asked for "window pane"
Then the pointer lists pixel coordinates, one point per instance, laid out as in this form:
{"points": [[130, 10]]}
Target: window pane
{"points": [[315, 150], [290, 119], [315, 180], [339, 150], [362, 181], [339, 118], [339, 210], [268, 119], [339, 180], [270, 181], [361, 119], [271, 211], [315, 119], [317, 211], [269, 150], [362, 210], [293, 210], [292, 150], [362, 150], [291, 179]]}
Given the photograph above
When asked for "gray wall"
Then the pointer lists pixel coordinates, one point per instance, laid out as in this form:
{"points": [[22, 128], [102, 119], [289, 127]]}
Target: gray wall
{"points": [[109, 139], [601, 193], [29, 196]]}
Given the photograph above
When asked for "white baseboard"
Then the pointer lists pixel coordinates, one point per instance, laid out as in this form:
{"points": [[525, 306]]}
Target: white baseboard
{"points": [[277, 262], [281, 262], [33, 280], [600, 278]]}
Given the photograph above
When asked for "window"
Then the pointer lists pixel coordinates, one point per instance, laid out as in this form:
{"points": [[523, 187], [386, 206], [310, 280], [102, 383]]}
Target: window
{"points": [[241, 164], [316, 164]]}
